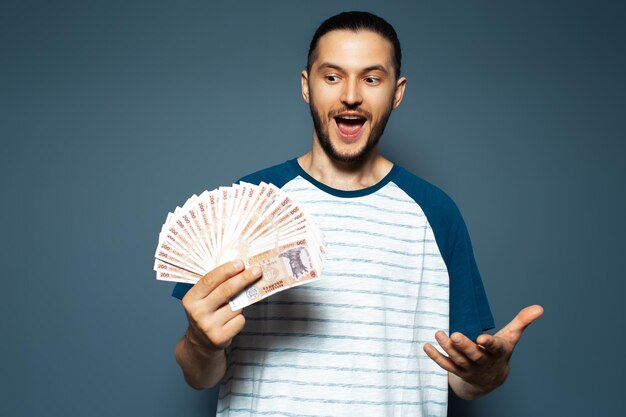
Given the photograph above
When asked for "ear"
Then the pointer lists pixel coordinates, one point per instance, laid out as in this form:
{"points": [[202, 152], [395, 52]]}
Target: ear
{"points": [[399, 93], [304, 79]]}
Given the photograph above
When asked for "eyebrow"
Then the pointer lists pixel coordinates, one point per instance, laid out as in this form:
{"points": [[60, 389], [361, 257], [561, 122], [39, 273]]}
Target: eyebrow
{"points": [[367, 69]]}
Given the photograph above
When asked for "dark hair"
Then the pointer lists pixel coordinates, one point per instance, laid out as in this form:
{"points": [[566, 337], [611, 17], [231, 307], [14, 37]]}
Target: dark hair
{"points": [[356, 21]]}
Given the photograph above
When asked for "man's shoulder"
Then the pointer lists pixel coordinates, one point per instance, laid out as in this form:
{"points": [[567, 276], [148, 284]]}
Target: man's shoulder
{"points": [[425, 194], [278, 175]]}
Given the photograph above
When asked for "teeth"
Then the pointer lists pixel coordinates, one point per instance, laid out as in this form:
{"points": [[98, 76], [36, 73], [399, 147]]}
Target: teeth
{"points": [[350, 117]]}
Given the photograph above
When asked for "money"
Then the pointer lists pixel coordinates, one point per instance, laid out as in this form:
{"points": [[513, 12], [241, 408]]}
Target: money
{"points": [[259, 224]]}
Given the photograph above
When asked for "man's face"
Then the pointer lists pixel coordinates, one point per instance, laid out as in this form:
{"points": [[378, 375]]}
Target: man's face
{"points": [[351, 90]]}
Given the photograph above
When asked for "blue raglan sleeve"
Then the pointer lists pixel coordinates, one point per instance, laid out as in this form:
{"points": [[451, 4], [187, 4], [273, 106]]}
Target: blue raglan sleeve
{"points": [[469, 308]]}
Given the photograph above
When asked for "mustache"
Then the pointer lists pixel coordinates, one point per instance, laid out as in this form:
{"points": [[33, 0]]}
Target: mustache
{"points": [[363, 113]]}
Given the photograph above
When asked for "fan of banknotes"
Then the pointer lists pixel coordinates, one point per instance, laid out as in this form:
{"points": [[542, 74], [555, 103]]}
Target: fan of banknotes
{"points": [[259, 224]]}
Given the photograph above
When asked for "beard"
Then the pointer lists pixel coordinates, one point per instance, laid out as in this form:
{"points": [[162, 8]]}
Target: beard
{"points": [[321, 126]]}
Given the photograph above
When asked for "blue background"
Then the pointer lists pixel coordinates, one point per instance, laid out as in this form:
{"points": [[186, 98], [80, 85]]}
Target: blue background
{"points": [[112, 113]]}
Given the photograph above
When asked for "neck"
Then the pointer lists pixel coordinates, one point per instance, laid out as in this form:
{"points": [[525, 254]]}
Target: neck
{"points": [[345, 176]]}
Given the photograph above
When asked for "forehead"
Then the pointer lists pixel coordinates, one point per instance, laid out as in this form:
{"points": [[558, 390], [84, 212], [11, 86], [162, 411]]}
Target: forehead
{"points": [[359, 49]]}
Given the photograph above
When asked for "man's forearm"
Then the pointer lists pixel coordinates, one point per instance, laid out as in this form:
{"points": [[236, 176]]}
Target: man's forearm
{"points": [[202, 368]]}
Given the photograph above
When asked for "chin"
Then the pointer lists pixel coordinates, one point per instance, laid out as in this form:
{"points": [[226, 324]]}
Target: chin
{"points": [[348, 157], [355, 151]]}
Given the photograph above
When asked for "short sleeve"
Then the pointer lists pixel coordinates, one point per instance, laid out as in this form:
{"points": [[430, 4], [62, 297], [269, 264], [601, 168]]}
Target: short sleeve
{"points": [[469, 309], [180, 290]]}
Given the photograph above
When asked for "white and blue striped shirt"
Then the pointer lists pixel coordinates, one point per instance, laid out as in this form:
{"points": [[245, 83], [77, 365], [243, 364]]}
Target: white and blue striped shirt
{"points": [[399, 267]]}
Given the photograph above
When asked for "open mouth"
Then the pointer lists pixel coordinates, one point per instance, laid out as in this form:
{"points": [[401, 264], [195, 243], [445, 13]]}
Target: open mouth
{"points": [[350, 126]]}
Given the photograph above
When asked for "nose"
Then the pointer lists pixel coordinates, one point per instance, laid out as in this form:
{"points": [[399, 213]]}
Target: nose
{"points": [[351, 94]]}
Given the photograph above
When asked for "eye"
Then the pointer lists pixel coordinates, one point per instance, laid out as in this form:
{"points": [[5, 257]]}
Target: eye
{"points": [[331, 78], [372, 80]]}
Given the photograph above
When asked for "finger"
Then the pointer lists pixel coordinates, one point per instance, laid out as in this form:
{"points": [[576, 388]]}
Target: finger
{"points": [[233, 327], [222, 337], [213, 279], [470, 349], [513, 331], [443, 361], [491, 344], [449, 347], [225, 314], [228, 289]]}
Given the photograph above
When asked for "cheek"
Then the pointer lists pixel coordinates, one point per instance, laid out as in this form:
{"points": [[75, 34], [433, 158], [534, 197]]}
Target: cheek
{"points": [[320, 109], [325, 96], [379, 106]]}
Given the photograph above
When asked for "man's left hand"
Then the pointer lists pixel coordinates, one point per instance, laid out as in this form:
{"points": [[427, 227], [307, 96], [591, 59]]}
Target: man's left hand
{"points": [[482, 366]]}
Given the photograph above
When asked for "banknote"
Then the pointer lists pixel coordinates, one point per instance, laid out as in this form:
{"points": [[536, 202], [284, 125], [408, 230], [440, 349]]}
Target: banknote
{"points": [[285, 266], [259, 224]]}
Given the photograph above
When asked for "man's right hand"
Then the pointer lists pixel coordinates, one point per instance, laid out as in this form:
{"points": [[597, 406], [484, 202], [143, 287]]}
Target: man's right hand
{"points": [[212, 323]]}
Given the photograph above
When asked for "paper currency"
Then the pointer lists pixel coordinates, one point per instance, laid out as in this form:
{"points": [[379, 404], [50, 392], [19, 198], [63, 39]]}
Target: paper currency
{"points": [[259, 224]]}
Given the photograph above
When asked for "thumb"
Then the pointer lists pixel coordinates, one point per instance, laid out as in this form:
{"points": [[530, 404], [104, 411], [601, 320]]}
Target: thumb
{"points": [[513, 331]]}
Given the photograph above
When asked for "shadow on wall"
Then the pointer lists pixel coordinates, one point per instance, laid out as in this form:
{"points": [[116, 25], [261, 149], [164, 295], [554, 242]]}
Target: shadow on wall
{"points": [[460, 408], [208, 402]]}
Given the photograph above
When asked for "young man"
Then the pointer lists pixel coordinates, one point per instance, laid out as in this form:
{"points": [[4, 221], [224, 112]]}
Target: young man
{"points": [[400, 274]]}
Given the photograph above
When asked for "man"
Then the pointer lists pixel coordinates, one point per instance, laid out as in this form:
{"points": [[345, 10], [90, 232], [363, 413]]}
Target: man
{"points": [[399, 275]]}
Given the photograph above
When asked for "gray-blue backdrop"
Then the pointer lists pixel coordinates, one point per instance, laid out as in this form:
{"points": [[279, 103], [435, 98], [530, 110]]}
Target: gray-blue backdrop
{"points": [[114, 112]]}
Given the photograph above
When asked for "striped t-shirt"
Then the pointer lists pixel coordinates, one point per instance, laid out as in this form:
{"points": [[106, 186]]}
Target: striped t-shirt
{"points": [[399, 267]]}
